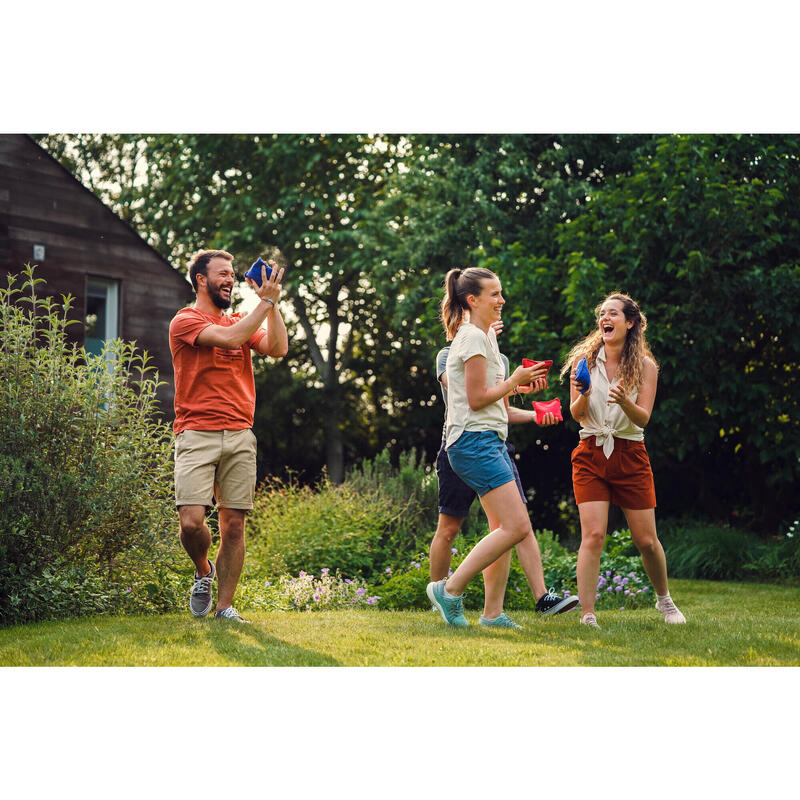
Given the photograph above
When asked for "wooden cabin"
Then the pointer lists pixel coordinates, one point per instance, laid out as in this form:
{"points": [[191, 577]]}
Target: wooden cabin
{"points": [[122, 286]]}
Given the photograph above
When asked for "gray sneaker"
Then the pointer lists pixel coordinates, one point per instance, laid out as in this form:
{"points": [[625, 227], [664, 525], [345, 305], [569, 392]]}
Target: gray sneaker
{"points": [[201, 600], [503, 621], [451, 608], [230, 613]]}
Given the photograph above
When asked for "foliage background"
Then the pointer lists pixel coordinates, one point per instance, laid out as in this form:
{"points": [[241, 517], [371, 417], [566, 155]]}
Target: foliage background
{"points": [[701, 229], [87, 515]]}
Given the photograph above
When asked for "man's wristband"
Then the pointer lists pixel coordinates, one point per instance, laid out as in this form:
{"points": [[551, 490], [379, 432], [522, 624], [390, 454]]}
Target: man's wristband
{"points": [[267, 300]]}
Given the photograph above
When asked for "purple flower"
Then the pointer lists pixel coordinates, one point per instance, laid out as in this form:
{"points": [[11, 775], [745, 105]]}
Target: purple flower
{"points": [[600, 581], [608, 573], [302, 574], [631, 575], [325, 570], [449, 572], [624, 581], [361, 590], [372, 600], [316, 598], [597, 596], [618, 589], [617, 579], [416, 565], [388, 570], [267, 583], [347, 580], [517, 588], [567, 593], [609, 588], [454, 551], [622, 608]]}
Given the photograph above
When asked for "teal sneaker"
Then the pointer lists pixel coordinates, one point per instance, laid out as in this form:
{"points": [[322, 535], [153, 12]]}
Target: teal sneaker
{"points": [[451, 608], [503, 621]]}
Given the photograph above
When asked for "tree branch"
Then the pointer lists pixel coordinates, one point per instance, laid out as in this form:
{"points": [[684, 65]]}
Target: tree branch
{"points": [[308, 329]]}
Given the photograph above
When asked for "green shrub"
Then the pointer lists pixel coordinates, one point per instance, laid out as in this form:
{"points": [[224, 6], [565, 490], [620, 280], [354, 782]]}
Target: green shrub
{"points": [[405, 588], [293, 528], [411, 489], [697, 549], [86, 500]]}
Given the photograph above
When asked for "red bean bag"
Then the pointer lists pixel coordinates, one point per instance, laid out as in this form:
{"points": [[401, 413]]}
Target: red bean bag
{"points": [[542, 407], [526, 362]]}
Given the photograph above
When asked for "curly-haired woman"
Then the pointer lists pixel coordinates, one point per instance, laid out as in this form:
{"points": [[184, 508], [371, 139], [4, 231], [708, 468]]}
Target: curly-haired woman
{"points": [[610, 463]]}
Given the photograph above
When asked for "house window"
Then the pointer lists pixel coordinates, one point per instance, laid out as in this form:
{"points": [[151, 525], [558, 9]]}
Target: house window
{"points": [[102, 313]]}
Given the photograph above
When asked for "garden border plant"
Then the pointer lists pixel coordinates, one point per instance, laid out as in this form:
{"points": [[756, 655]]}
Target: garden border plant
{"points": [[86, 506]]}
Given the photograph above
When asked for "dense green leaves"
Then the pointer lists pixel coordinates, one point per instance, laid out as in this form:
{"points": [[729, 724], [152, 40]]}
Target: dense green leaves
{"points": [[702, 230], [703, 233], [86, 496]]}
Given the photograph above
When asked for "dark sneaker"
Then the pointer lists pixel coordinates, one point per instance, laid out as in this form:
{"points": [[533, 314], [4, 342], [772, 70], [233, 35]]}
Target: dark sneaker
{"points": [[201, 601], [503, 621], [551, 603], [451, 608], [230, 613]]}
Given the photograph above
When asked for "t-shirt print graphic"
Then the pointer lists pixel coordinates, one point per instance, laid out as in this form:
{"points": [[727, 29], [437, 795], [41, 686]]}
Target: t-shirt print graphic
{"points": [[229, 357]]}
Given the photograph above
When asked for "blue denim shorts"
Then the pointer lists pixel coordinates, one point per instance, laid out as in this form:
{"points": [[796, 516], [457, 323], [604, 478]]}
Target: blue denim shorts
{"points": [[481, 460]]}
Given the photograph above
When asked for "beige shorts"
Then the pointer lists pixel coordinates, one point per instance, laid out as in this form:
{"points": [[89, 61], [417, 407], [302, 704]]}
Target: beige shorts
{"points": [[219, 464]]}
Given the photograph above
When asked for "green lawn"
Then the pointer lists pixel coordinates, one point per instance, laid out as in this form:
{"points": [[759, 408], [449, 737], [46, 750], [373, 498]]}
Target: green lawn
{"points": [[729, 624]]}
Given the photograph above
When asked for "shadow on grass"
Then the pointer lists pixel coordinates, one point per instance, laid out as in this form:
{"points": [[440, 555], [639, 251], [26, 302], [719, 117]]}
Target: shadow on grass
{"points": [[247, 646]]}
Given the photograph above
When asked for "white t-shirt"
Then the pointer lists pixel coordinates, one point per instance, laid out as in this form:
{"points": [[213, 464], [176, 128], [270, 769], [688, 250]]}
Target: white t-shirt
{"points": [[471, 341], [441, 367]]}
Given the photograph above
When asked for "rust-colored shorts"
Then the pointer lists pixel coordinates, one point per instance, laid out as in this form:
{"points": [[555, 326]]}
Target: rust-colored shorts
{"points": [[625, 479]]}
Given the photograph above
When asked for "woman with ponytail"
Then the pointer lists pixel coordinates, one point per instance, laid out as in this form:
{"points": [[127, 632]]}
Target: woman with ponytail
{"points": [[610, 463], [475, 434]]}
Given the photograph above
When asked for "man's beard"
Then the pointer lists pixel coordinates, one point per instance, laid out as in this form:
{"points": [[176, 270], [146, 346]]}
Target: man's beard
{"points": [[217, 299]]}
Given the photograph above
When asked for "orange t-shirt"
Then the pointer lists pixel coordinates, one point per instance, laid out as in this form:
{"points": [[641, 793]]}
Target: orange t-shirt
{"points": [[214, 387]]}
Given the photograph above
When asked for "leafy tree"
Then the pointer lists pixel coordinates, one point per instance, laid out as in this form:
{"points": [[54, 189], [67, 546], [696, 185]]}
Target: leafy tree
{"points": [[300, 197], [494, 200], [704, 234]]}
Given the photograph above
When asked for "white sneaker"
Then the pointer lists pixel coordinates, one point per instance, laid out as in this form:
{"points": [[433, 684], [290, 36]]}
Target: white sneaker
{"points": [[230, 613], [670, 611], [590, 619]]}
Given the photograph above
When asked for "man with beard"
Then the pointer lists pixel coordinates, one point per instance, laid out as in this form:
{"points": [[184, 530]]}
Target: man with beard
{"points": [[215, 449]]}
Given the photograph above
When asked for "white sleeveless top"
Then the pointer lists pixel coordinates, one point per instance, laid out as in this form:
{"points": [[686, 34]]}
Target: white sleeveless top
{"points": [[603, 419]]}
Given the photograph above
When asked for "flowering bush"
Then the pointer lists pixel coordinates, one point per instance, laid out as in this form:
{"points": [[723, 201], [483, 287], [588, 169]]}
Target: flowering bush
{"points": [[306, 593], [622, 582], [615, 590]]}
